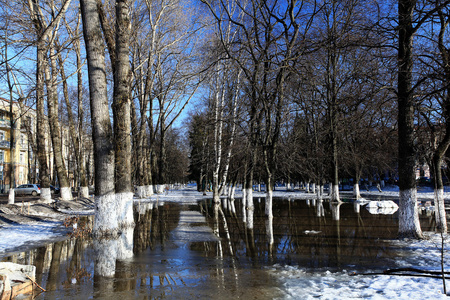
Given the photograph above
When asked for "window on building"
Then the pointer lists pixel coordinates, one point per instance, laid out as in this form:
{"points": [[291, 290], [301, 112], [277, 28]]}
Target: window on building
{"points": [[2, 135], [22, 157], [22, 140], [2, 156]]}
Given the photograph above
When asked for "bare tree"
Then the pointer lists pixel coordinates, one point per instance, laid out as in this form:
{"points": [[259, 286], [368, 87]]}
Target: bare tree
{"points": [[77, 128], [122, 115], [106, 221], [44, 33]]}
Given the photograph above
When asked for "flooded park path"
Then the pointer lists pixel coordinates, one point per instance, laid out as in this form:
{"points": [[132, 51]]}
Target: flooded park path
{"points": [[176, 254]]}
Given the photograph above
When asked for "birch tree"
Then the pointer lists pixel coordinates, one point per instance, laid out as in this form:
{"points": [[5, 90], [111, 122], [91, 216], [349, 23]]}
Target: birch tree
{"points": [[270, 34]]}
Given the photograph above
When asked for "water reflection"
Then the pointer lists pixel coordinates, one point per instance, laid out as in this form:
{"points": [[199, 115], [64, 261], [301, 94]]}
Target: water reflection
{"points": [[172, 251]]}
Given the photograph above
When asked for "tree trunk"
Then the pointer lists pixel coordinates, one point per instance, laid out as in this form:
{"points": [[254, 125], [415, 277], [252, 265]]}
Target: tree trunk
{"points": [[12, 139], [55, 128], [106, 221], [122, 117], [409, 225], [44, 178], [441, 219], [356, 192]]}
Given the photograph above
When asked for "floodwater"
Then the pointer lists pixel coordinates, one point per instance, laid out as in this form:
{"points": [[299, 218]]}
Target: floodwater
{"points": [[173, 253]]}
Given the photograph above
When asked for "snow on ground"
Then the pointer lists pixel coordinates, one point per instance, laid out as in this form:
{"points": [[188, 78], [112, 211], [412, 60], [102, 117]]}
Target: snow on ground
{"points": [[14, 237], [324, 284]]}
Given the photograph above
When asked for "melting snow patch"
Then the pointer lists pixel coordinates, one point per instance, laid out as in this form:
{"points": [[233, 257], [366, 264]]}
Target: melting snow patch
{"points": [[382, 207], [311, 232], [300, 284], [30, 234]]}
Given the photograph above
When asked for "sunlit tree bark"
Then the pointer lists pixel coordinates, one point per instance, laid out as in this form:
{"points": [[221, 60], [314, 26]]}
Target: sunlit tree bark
{"points": [[409, 225], [122, 115], [106, 221]]}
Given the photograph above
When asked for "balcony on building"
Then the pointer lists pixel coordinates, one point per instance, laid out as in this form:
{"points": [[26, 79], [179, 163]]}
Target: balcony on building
{"points": [[5, 144]]}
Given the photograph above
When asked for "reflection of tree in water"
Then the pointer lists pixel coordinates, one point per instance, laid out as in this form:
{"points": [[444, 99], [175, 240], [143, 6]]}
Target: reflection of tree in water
{"points": [[154, 222], [310, 233]]}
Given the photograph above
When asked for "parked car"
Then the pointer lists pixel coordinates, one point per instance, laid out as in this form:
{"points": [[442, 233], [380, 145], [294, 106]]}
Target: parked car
{"points": [[53, 189], [28, 189]]}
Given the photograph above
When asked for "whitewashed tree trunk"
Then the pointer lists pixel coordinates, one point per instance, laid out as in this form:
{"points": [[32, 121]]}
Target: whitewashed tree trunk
{"points": [[313, 188], [307, 187], [269, 233], [269, 202], [320, 211], [149, 190], [330, 189], [125, 218], [357, 207], [336, 211], [46, 195], [66, 193], [244, 205], [319, 192], [106, 215], [102, 135], [440, 215], [335, 194], [249, 196], [250, 211], [160, 188], [141, 192], [11, 196], [356, 192], [125, 244], [105, 257], [408, 213], [84, 192]]}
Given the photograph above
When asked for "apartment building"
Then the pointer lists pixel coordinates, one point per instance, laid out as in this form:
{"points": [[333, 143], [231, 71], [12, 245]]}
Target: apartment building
{"points": [[22, 159]]}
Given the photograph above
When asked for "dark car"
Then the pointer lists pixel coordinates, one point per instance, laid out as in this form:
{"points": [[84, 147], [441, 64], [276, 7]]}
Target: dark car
{"points": [[53, 189]]}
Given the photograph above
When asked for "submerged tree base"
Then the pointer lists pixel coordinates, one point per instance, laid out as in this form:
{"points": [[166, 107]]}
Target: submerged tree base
{"points": [[106, 212]]}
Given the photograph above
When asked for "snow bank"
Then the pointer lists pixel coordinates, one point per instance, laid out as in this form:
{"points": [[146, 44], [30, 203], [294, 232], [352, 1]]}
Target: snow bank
{"points": [[29, 235], [382, 207], [298, 282]]}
